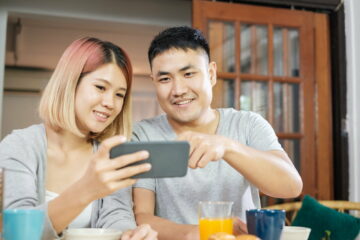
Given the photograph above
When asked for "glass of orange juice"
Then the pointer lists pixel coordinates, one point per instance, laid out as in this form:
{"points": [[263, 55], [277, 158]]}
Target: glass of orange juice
{"points": [[215, 217]]}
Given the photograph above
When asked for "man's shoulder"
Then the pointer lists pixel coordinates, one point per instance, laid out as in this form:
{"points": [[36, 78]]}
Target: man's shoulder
{"points": [[151, 122], [230, 114], [156, 128]]}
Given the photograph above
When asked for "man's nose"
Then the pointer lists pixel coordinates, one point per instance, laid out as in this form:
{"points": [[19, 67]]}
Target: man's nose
{"points": [[179, 87]]}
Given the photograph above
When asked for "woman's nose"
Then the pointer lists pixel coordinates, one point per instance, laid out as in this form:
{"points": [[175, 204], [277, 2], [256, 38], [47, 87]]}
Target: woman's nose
{"points": [[108, 101]]}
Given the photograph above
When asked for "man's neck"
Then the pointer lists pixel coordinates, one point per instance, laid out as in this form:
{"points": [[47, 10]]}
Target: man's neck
{"points": [[207, 124]]}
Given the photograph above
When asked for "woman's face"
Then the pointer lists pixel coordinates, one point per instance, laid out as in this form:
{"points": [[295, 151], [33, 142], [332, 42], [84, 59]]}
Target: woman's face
{"points": [[99, 98]]}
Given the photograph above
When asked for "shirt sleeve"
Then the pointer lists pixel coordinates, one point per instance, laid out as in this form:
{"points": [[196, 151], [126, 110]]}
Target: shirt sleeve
{"points": [[116, 211], [261, 135], [147, 183], [21, 179]]}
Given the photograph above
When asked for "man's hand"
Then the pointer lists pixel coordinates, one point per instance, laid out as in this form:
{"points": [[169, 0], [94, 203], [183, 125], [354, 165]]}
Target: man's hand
{"points": [[239, 227], [204, 148], [142, 232], [193, 234]]}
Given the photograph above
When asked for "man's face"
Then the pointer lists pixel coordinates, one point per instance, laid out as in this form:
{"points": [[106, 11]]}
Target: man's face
{"points": [[183, 82]]}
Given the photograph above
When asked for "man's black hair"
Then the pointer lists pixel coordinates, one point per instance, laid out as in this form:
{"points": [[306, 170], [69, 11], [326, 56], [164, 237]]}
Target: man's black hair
{"points": [[179, 38]]}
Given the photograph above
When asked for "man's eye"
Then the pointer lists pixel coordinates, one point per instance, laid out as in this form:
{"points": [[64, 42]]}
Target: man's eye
{"points": [[102, 88], [164, 79], [189, 74]]}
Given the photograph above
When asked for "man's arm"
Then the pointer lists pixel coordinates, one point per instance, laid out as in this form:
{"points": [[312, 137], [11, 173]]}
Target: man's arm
{"points": [[144, 209], [272, 172]]}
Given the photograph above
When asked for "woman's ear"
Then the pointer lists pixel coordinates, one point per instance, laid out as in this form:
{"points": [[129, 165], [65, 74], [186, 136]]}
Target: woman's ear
{"points": [[212, 73]]}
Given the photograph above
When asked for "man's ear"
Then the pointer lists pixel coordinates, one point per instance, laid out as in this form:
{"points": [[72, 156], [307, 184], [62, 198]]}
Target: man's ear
{"points": [[212, 72], [152, 77]]}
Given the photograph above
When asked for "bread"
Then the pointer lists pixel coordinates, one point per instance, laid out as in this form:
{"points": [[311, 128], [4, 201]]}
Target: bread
{"points": [[247, 237], [226, 236], [222, 236]]}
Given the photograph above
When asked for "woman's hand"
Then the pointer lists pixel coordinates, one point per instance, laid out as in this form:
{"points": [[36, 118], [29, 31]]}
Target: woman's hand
{"points": [[105, 176], [142, 232]]}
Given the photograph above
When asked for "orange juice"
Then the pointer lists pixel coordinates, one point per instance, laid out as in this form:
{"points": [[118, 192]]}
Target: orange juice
{"points": [[209, 226]]}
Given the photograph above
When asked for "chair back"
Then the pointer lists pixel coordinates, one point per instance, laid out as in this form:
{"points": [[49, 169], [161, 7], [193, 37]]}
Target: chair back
{"points": [[341, 206]]}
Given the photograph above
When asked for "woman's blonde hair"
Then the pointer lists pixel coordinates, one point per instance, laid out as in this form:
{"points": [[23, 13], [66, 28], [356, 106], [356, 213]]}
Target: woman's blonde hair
{"points": [[57, 104]]}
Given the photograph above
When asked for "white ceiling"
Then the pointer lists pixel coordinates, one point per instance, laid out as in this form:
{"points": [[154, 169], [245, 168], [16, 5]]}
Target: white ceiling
{"points": [[43, 37]]}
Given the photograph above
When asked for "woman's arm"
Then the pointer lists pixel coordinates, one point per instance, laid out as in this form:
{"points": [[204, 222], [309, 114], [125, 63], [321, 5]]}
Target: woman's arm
{"points": [[103, 177]]}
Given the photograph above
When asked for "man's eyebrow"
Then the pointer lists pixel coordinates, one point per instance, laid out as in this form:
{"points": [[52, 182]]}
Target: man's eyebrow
{"points": [[186, 67], [161, 73]]}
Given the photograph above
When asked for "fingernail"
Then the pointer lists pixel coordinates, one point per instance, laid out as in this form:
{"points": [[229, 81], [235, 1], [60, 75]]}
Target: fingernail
{"points": [[122, 138], [145, 154]]}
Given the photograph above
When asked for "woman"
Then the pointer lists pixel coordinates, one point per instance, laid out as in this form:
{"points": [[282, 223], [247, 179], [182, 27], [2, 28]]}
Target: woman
{"points": [[63, 165]]}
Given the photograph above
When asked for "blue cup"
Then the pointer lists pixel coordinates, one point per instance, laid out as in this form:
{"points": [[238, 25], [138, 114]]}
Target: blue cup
{"points": [[23, 224], [266, 224]]}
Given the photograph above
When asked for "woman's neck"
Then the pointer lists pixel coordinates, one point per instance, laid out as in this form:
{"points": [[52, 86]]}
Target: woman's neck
{"points": [[65, 140]]}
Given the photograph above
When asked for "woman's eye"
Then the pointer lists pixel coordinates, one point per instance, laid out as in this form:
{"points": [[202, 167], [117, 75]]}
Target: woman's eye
{"points": [[100, 87], [120, 95]]}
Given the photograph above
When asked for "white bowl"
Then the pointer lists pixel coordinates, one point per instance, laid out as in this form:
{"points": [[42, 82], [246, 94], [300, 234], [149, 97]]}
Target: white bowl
{"points": [[92, 234], [295, 233]]}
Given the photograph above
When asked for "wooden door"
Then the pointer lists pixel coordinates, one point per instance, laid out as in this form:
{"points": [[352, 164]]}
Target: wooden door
{"points": [[276, 62]]}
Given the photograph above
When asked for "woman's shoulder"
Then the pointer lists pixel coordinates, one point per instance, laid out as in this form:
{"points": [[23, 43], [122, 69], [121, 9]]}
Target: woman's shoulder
{"points": [[27, 137], [24, 149]]}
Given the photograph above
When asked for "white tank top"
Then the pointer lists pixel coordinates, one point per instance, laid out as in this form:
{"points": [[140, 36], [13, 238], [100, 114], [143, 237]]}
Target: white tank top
{"points": [[82, 220]]}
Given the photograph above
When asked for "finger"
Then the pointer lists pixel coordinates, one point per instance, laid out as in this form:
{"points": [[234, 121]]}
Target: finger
{"points": [[109, 143], [114, 186], [128, 172], [195, 157], [126, 235], [188, 136], [206, 158], [152, 235], [184, 136], [127, 159], [140, 233], [239, 227]]}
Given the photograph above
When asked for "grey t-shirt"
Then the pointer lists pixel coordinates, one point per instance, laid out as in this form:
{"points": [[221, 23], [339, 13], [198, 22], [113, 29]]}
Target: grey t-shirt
{"points": [[177, 198]]}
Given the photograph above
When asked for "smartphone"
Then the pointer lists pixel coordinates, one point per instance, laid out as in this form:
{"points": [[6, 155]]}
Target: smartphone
{"points": [[167, 158]]}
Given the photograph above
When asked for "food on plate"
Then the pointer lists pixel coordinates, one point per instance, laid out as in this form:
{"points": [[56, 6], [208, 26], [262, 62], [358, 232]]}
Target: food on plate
{"points": [[226, 236], [222, 236], [247, 237]]}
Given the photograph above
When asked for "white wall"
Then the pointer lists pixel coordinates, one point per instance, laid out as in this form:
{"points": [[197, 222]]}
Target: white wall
{"points": [[3, 22], [22, 96], [152, 12], [352, 25], [122, 21]]}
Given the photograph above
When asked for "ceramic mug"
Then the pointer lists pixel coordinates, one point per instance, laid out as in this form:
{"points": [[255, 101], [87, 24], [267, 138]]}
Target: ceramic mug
{"points": [[266, 224], [23, 224]]}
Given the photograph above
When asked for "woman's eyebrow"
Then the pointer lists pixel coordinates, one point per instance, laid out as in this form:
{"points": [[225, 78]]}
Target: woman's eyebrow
{"points": [[108, 83]]}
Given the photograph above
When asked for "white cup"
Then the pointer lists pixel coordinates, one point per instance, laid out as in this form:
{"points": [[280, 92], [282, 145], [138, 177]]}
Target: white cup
{"points": [[295, 233], [92, 234]]}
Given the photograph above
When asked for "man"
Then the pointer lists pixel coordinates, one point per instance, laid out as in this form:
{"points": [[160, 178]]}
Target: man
{"points": [[233, 154]]}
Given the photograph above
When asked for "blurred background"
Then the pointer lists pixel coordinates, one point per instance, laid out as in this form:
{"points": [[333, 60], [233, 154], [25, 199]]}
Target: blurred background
{"points": [[295, 62]]}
